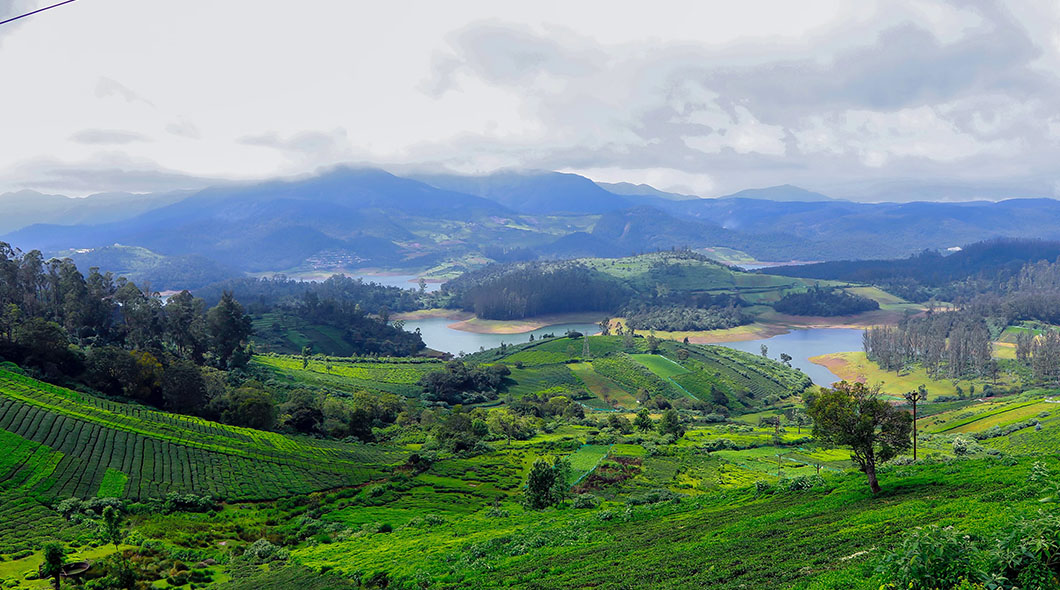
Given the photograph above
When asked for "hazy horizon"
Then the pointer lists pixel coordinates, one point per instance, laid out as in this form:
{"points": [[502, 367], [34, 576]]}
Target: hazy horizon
{"points": [[873, 101]]}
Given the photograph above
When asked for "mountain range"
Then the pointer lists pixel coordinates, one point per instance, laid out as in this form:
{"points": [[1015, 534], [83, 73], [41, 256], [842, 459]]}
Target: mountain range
{"points": [[356, 218]]}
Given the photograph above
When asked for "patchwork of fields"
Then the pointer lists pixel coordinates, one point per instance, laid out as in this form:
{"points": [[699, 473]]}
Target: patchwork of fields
{"points": [[617, 372]]}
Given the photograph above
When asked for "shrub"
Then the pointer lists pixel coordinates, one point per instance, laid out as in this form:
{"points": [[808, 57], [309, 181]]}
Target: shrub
{"points": [[586, 501], [654, 497], [932, 557], [802, 482], [763, 487], [960, 446], [262, 551], [1028, 552]]}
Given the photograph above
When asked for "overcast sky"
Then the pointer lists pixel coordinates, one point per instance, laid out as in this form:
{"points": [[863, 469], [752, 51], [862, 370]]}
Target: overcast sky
{"points": [[851, 98]]}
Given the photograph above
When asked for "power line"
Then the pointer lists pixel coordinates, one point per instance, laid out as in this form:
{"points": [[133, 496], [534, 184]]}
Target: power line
{"points": [[35, 12]]}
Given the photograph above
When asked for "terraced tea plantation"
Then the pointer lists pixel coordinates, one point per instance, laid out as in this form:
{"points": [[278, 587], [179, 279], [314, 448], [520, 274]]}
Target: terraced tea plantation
{"points": [[398, 376], [616, 372], [60, 443]]}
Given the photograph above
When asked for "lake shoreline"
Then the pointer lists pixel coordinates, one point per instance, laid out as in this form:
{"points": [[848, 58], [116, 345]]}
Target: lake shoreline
{"points": [[467, 322], [768, 324]]}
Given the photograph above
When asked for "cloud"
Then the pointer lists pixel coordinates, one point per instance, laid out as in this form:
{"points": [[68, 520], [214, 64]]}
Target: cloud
{"points": [[820, 94], [107, 137], [183, 128], [317, 146], [667, 179], [105, 88], [116, 172]]}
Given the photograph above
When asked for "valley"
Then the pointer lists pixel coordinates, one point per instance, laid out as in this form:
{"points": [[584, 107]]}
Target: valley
{"points": [[529, 296], [350, 434]]}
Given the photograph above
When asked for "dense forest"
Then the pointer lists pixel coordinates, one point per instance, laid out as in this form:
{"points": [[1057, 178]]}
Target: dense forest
{"points": [[500, 292], [824, 301], [677, 318], [948, 345], [266, 293], [984, 267], [106, 335], [669, 290], [360, 311]]}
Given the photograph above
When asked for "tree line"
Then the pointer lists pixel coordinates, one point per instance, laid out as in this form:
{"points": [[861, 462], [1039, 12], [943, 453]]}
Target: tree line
{"points": [[824, 301], [502, 292], [948, 345]]}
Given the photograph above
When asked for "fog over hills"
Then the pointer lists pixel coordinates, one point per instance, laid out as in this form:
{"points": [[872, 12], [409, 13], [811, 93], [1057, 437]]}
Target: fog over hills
{"points": [[348, 218]]}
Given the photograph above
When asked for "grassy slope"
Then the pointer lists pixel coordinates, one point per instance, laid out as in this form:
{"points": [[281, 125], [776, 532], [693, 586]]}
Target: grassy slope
{"points": [[723, 534], [616, 375], [399, 376], [854, 366], [732, 539]]}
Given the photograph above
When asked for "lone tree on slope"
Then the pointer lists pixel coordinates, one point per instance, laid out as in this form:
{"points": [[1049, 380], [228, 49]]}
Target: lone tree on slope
{"points": [[852, 415], [54, 560]]}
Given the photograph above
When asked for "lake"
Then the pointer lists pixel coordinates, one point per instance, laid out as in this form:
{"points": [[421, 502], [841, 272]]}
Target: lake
{"points": [[403, 281], [438, 335], [800, 344]]}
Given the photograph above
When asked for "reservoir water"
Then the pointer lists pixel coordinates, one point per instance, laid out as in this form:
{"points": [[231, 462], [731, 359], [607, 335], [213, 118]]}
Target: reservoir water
{"points": [[803, 344], [403, 281], [438, 335], [800, 344]]}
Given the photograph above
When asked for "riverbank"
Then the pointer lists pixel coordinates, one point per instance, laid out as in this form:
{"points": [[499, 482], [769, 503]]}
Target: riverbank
{"points": [[467, 322], [524, 325], [855, 366], [433, 313], [770, 323]]}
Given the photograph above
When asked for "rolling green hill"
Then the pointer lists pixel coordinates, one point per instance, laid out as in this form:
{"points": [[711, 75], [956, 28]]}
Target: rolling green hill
{"points": [[727, 505], [61, 443], [616, 374]]}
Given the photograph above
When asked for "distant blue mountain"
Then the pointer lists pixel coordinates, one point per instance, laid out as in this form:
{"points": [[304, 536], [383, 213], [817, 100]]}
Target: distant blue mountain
{"points": [[783, 193], [642, 190], [363, 217], [534, 193]]}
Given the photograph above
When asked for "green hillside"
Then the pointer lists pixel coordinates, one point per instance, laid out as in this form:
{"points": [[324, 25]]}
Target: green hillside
{"points": [[617, 371], [727, 505], [62, 443]]}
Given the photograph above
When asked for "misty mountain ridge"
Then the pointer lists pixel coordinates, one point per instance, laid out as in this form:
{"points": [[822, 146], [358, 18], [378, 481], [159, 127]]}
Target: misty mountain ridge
{"points": [[782, 193], [352, 218]]}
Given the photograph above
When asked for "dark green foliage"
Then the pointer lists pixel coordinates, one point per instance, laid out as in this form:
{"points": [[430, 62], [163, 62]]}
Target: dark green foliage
{"points": [[824, 301], [52, 566], [458, 433], [932, 557], [458, 383], [643, 421], [284, 577], [183, 387], [112, 527], [252, 407], [852, 415], [228, 327], [948, 344], [1024, 554], [547, 484], [670, 423], [45, 346], [530, 289], [681, 318]]}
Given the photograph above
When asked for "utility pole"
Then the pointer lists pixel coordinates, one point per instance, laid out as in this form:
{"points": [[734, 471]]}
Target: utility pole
{"points": [[913, 397], [585, 346]]}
